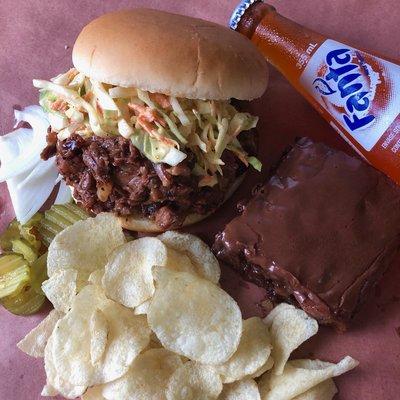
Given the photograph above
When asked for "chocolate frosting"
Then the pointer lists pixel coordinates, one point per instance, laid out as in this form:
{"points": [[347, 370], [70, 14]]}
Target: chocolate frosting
{"points": [[321, 231]]}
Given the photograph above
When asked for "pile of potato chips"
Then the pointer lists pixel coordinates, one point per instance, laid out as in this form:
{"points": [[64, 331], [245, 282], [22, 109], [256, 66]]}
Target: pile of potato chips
{"points": [[146, 319]]}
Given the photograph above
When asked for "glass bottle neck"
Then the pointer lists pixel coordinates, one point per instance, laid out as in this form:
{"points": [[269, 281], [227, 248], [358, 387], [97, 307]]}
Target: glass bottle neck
{"points": [[285, 44]]}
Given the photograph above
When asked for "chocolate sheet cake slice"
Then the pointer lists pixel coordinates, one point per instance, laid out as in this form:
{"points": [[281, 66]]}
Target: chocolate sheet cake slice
{"points": [[320, 232]]}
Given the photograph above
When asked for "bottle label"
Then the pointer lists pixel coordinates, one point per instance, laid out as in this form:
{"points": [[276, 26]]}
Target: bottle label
{"points": [[360, 91]]}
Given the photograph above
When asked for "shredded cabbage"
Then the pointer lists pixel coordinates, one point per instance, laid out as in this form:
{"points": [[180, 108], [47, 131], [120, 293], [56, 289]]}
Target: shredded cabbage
{"points": [[164, 128], [157, 151], [255, 163], [178, 111]]}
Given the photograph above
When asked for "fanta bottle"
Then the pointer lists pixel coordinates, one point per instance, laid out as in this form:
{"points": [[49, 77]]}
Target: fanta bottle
{"points": [[357, 92]]}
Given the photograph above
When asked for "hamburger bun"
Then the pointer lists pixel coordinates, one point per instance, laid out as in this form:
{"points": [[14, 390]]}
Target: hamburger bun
{"points": [[174, 55], [171, 54]]}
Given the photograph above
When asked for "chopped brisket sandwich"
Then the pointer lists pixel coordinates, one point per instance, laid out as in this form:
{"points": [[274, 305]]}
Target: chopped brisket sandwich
{"points": [[319, 233], [143, 125]]}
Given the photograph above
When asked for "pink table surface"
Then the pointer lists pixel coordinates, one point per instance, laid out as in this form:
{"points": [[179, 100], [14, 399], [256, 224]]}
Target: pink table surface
{"points": [[36, 37]]}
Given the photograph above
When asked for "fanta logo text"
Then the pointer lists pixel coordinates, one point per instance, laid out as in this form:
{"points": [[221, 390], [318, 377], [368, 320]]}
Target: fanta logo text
{"points": [[343, 79]]}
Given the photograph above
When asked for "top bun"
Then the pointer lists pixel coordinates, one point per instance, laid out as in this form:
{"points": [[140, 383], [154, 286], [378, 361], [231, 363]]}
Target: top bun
{"points": [[171, 54]]}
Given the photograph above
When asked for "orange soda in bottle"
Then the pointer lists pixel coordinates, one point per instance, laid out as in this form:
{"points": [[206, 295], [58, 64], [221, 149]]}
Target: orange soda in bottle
{"points": [[357, 92]]}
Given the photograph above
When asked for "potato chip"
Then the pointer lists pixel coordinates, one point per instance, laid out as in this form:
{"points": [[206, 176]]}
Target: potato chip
{"points": [[71, 349], [266, 367], [146, 379], [154, 342], [289, 328], [128, 278], [98, 335], [90, 298], [85, 246], [180, 262], [299, 376], [206, 263], [326, 390], [194, 381], [128, 335], [54, 383], [61, 289], [246, 389], [193, 317], [252, 354], [35, 341], [142, 308], [94, 393], [96, 277], [48, 391]]}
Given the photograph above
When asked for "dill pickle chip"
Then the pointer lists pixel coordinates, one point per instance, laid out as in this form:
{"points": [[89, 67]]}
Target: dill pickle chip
{"points": [[57, 218], [39, 273], [11, 233], [26, 232], [20, 246], [14, 274], [26, 302]]}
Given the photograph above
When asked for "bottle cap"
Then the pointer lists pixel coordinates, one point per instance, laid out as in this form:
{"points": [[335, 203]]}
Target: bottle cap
{"points": [[238, 12]]}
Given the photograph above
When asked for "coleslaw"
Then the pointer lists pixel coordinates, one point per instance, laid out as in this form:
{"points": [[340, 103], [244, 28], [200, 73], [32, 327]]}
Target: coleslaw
{"points": [[163, 128]]}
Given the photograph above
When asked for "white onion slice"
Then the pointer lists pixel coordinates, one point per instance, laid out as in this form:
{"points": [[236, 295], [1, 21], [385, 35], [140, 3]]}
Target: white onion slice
{"points": [[29, 197], [28, 150], [30, 180], [11, 145]]}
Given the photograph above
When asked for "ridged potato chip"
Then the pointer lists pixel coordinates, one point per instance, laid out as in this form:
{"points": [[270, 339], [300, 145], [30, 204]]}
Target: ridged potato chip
{"points": [[289, 328], [61, 289], [194, 381], [35, 341], [246, 389], [55, 384], [85, 246], [299, 376], [146, 379], [206, 264], [324, 391], [251, 355], [193, 317], [128, 278]]}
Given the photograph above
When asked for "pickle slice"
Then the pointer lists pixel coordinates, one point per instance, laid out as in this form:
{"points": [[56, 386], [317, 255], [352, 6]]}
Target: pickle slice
{"points": [[27, 302], [14, 274], [21, 239], [57, 218], [39, 273], [11, 233], [20, 246]]}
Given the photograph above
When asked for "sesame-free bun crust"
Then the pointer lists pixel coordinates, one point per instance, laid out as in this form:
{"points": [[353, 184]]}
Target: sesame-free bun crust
{"points": [[171, 54], [140, 223]]}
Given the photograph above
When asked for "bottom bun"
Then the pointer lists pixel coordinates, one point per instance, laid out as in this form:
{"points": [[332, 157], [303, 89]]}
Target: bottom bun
{"points": [[140, 223]]}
